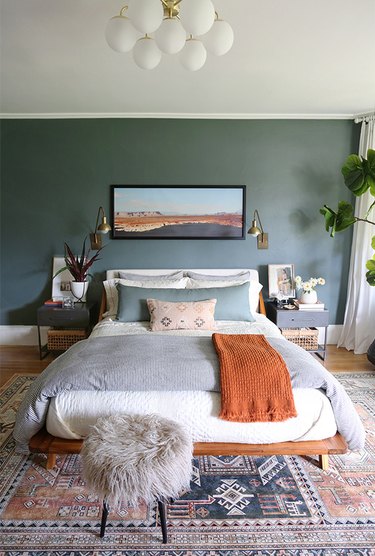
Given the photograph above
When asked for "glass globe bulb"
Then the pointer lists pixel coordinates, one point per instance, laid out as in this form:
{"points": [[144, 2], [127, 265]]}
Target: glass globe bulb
{"points": [[146, 15], [197, 16], [193, 55], [219, 39], [146, 53], [171, 36], [120, 34]]}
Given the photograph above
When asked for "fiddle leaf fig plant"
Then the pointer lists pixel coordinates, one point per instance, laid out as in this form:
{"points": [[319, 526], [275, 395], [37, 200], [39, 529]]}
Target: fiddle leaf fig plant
{"points": [[359, 177]]}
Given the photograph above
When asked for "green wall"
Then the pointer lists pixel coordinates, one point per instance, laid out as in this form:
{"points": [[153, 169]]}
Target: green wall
{"points": [[56, 173]]}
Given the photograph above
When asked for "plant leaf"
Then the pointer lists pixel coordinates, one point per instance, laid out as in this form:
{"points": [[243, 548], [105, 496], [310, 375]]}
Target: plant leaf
{"points": [[370, 265], [330, 219], [371, 170], [345, 216], [371, 162], [354, 174], [59, 271], [340, 220], [370, 274], [359, 173]]}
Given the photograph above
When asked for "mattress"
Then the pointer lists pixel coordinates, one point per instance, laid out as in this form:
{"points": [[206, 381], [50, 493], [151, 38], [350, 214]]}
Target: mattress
{"points": [[71, 414]]}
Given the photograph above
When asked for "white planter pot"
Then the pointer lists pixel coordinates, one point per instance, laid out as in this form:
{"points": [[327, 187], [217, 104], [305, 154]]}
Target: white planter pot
{"points": [[308, 297], [79, 290]]}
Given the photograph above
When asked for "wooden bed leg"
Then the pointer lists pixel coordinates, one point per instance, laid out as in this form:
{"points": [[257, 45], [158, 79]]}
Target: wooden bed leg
{"points": [[51, 461], [324, 461]]}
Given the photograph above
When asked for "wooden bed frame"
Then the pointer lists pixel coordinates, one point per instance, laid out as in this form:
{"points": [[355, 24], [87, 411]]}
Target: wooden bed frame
{"points": [[46, 443]]}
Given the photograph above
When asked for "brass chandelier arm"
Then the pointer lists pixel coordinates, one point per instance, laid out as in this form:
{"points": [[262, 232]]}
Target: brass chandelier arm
{"points": [[171, 8]]}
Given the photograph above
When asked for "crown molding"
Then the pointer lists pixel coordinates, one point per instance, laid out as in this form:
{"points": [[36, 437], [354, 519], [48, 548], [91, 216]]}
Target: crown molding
{"points": [[171, 115]]}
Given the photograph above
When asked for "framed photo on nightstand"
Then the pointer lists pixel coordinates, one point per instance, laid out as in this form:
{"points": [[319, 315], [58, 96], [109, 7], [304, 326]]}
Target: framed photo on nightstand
{"points": [[61, 282], [281, 281]]}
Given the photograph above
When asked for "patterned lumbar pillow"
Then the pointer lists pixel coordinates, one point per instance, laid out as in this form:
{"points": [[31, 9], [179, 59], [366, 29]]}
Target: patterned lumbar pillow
{"points": [[183, 315]]}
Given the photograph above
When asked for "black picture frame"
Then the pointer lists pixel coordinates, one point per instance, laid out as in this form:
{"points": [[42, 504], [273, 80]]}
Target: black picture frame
{"points": [[178, 212]]}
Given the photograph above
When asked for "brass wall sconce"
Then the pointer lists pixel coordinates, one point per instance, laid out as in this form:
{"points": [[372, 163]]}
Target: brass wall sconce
{"points": [[100, 230], [262, 237]]}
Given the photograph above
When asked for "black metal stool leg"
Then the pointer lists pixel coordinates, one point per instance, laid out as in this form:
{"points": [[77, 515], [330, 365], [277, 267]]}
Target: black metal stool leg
{"points": [[163, 520], [104, 518]]}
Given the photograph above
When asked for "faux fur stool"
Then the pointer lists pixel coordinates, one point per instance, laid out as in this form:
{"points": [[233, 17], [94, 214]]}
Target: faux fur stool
{"points": [[137, 457]]}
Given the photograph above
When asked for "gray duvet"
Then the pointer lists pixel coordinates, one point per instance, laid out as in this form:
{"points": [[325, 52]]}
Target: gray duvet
{"points": [[185, 363]]}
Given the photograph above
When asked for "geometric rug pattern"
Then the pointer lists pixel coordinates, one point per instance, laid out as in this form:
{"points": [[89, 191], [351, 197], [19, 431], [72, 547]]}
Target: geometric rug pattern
{"points": [[237, 505]]}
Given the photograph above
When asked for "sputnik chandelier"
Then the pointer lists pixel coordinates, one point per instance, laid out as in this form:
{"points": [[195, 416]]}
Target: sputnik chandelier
{"points": [[188, 28]]}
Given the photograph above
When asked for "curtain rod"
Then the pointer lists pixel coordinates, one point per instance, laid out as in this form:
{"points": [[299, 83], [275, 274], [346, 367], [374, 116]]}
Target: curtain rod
{"points": [[364, 117]]}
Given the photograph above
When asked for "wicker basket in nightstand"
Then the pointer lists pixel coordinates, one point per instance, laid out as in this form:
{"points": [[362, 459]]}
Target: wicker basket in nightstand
{"points": [[60, 340], [307, 338]]}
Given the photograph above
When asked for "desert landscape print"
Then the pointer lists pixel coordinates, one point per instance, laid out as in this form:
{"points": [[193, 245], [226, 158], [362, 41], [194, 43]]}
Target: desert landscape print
{"points": [[178, 212]]}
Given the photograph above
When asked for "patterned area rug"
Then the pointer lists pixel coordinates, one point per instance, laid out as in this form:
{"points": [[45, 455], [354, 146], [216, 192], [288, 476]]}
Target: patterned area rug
{"points": [[238, 506]]}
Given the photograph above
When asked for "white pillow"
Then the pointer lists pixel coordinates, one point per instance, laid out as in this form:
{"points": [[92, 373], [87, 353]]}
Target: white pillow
{"points": [[242, 277], [112, 293], [254, 288], [149, 278]]}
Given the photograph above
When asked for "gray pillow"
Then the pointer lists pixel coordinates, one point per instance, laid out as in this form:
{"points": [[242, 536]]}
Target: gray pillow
{"points": [[232, 302], [229, 278], [147, 278]]}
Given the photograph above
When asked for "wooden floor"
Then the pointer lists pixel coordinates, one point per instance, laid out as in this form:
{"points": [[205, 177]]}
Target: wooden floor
{"points": [[25, 359]]}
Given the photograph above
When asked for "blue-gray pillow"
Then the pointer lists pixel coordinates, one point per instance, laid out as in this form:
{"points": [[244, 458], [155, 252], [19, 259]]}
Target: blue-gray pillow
{"points": [[232, 302]]}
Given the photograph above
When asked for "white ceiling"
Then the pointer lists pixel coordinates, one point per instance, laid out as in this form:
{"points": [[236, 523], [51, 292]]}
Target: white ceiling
{"points": [[291, 58]]}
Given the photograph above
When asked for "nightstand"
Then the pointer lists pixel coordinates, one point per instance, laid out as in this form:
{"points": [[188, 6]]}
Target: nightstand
{"points": [[75, 319], [298, 318]]}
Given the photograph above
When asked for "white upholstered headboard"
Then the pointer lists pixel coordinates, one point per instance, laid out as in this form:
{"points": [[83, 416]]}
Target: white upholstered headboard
{"points": [[211, 271]]}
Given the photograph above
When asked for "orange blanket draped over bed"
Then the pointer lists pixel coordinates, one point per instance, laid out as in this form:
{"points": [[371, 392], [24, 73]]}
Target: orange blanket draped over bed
{"points": [[255, 382]]}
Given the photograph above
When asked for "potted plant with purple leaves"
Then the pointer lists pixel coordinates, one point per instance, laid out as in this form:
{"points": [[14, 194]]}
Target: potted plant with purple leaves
{"points": [[78, 266]]}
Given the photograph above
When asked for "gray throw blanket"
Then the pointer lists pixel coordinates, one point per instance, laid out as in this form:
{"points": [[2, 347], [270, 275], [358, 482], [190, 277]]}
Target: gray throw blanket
{"points": [[185, 363]]}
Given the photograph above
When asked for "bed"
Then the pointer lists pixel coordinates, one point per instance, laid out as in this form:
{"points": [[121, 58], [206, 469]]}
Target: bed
{"points": [[55, 419]]}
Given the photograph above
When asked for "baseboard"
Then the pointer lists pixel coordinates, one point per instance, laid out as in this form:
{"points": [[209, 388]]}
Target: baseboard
{"points": [[333, 333], [19, 335]]}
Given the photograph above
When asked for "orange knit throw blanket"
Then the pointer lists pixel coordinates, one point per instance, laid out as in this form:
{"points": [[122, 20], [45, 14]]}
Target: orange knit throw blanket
{"points": [[255, 382]]}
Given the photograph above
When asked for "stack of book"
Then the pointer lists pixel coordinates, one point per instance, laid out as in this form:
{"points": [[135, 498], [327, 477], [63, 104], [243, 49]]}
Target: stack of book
{"points": [[318, 306], [52, 303]]}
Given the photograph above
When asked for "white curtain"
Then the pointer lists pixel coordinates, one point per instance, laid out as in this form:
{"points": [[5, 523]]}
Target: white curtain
{"points": [[359, 322]]}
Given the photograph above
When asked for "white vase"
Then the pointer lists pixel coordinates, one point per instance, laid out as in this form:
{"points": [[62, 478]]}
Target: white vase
{"points": [[79, 290], [309, 297]]}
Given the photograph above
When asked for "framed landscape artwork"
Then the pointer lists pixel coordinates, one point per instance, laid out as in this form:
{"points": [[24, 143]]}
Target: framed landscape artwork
{"points": [[281, 280], [184, 212]]}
